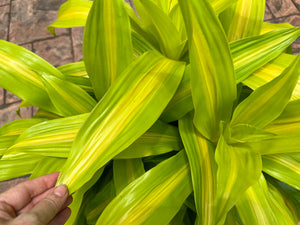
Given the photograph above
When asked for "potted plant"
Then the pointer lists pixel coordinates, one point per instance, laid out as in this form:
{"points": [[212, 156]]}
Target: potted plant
{"points": [[185, 114]]}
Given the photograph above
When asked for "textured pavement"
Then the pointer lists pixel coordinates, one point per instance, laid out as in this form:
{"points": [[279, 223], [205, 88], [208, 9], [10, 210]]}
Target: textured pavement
{"points": [[23, 22]]}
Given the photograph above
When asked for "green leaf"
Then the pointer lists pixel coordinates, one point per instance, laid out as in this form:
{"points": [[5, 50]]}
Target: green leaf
{"points": [[267, 102], [47, 165], [154, 198], [258, 206], [50, 138], [182, 102], [159, 139], [212, 74], [20, 71], [107, 48], [78, 198], [72, 13], [68, 98], [290, 114], [247, 59], [126, 171], [245, 133], [76, 73], [18, 166], [243, 19], [165, 32], [96, 206], [200, 153], [267, 27], [220, 5], [238, 168], [11, 131], [271, 70], [250, 53], [284, 167], [129, 108]]}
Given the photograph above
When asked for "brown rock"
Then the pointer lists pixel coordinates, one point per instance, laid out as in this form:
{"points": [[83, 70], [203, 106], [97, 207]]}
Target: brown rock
{"points": [[4, 2], [57, 51], [1, 96], [28, 22], [11, 98], [281, 8], [4, 12], [77, 36]]}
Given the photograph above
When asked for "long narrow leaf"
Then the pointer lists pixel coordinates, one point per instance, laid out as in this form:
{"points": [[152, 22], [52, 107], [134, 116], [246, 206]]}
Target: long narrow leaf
{"points": [[273, 97], [243, 19], [284, 167], [107, 48], [129, 108], [20, 71], [155, 197], [271, 70], [257, 207], [212, 73], [50, 138], [238, 168], [11, 131], [126, 171], [68, 98], [200, 153], [72, 13], [159, 139]]}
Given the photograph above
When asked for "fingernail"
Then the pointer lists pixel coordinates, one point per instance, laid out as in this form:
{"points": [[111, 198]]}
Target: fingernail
{"points": [[61, 190]]}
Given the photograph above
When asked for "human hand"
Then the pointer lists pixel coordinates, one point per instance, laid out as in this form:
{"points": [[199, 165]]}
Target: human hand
{"points": [[35, 202]]}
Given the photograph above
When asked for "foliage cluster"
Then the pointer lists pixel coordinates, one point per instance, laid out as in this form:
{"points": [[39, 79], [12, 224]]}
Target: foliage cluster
{"points": [[188, 113]]}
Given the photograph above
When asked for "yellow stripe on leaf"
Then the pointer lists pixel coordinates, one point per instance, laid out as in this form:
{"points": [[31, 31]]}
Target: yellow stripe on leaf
{"points": [[130, 107]]}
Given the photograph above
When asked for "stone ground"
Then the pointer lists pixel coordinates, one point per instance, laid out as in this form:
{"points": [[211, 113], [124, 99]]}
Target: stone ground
{"points": [[23, 23]]}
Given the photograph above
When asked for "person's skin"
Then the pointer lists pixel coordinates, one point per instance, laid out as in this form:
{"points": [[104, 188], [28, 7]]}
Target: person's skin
{"points": [[35, 202]]}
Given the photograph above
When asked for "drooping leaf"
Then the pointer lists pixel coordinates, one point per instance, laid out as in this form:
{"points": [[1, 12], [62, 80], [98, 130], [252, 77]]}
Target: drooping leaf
{"points": [[20, 71], [267, 27], [11, 131], [18, 166], [68, 98], [97, 205], [284, 167], [165, 32], [78, 198], [249, 54], [247, 59], [182, 102], [212, 72], [107, 48], [220, 5], [154, 198], [271, 70], [256, 206], [72, 13], [130, 107], [243, 19], [76, 73], [126, 171], [200, 153], [267, 102], [159, 139], [238, 168], [47, 165], [50, 138]]}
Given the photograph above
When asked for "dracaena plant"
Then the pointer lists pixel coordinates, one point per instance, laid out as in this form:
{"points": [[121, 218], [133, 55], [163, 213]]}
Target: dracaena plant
{"points": [[182, 112]]}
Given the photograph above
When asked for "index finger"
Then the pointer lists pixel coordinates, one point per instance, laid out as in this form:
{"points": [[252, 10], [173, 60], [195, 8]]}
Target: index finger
{"points": [[22, 194]]}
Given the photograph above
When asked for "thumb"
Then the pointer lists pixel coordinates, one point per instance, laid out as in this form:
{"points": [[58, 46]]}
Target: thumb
{"points": [[44, 211]]}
